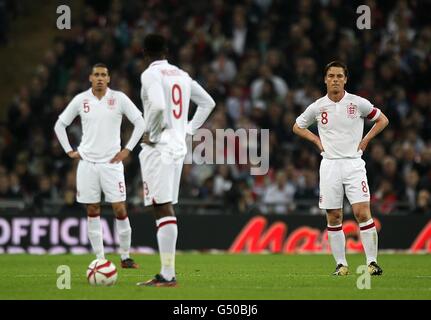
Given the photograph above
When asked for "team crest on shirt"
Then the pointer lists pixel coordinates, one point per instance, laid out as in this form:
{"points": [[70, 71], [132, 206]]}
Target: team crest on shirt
{"points": [[352, 111], [111, 103]]}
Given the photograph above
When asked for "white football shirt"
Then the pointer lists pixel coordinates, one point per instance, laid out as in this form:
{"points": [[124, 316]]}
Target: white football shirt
{"points": [[101, 122], [340, 124], [168, 88]]}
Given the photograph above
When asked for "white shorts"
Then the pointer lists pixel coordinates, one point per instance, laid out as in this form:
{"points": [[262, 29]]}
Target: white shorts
{"points": [[161, 175], [339, 176], [93, 178]]}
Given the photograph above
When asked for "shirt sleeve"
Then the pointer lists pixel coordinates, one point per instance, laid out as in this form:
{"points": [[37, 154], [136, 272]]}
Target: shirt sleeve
{"points": [[307, 118], [71, 111], [367, 110], [154, 120], [138, 131], [60, 131], [205, 106], [130, 110]]}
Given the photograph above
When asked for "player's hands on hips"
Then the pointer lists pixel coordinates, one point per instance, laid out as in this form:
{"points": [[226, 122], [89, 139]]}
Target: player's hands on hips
{"points": [[120, 156], [363, 145], [319, 145], [146, 139], [74, 155]]}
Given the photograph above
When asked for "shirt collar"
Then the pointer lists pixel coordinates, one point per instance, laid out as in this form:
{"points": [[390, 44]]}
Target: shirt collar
{"points": [[344, 97], [108, 91]]}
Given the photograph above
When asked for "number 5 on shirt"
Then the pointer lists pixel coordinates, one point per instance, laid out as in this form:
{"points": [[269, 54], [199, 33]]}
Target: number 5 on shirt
{"points": [[86, 107]]}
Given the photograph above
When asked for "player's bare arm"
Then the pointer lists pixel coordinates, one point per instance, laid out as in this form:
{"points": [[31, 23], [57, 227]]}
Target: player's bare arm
{"points": [[146, 139], [381, 123], [308, 135], [74, 155], [120, 156]]}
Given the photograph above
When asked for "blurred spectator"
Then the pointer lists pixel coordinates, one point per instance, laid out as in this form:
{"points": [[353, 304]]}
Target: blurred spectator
{"points": [[247, 199], [15, 190], [391, 176], [268, 85], [384, 198], [423, 203], [224, 68], [412, 182], [278, 196], [308, 191], [223, 181], [240, 31], [45, 192], [237, 104], [5, 192]]}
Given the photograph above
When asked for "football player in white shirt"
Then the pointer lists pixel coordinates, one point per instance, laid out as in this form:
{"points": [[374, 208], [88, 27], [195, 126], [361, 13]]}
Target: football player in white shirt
{"points": [[100, 166], [340, 121], [166, 93]]}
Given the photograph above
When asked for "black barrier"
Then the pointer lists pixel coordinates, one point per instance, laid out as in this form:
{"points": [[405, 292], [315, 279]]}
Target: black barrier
{"points": [[274, 233]]}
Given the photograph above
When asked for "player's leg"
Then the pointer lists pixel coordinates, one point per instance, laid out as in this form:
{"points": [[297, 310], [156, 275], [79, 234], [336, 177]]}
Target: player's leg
{"points": [[124, 230], [159, 180], [331, 199], [114, 188], [89, 192], [167, 229], [337, 240], [357, 191], [94, 230], [369, 236], [167, 233]]}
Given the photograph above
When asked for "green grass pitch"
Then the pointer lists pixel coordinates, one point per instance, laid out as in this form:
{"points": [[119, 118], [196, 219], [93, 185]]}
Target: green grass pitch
{"points": [[220, 277]]}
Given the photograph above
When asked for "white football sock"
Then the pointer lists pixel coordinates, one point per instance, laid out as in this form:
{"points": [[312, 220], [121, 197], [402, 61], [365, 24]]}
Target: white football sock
{"points": [[369, 240], [94, 231], [167, 234], [125, 236], [337, 241]]}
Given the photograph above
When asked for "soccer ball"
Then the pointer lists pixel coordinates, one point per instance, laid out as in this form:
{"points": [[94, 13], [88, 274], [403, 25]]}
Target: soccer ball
{"points": [[102, 272]]}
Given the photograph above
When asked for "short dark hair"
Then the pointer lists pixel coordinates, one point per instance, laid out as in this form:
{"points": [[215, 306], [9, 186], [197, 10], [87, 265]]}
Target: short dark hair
{"points": [[99, 65], [338, 64], [155, 45]]}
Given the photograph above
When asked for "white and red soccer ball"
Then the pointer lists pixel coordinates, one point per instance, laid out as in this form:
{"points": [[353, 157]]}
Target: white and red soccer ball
{"points": [[102, 272]]}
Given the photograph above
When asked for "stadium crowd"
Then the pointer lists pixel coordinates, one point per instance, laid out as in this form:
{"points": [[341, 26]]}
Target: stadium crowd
{"points": [[262, 62], [9, 10]]}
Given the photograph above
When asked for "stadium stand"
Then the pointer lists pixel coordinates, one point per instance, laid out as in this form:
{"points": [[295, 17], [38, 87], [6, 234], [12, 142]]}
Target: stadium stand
{"points": [[262, 61]]}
